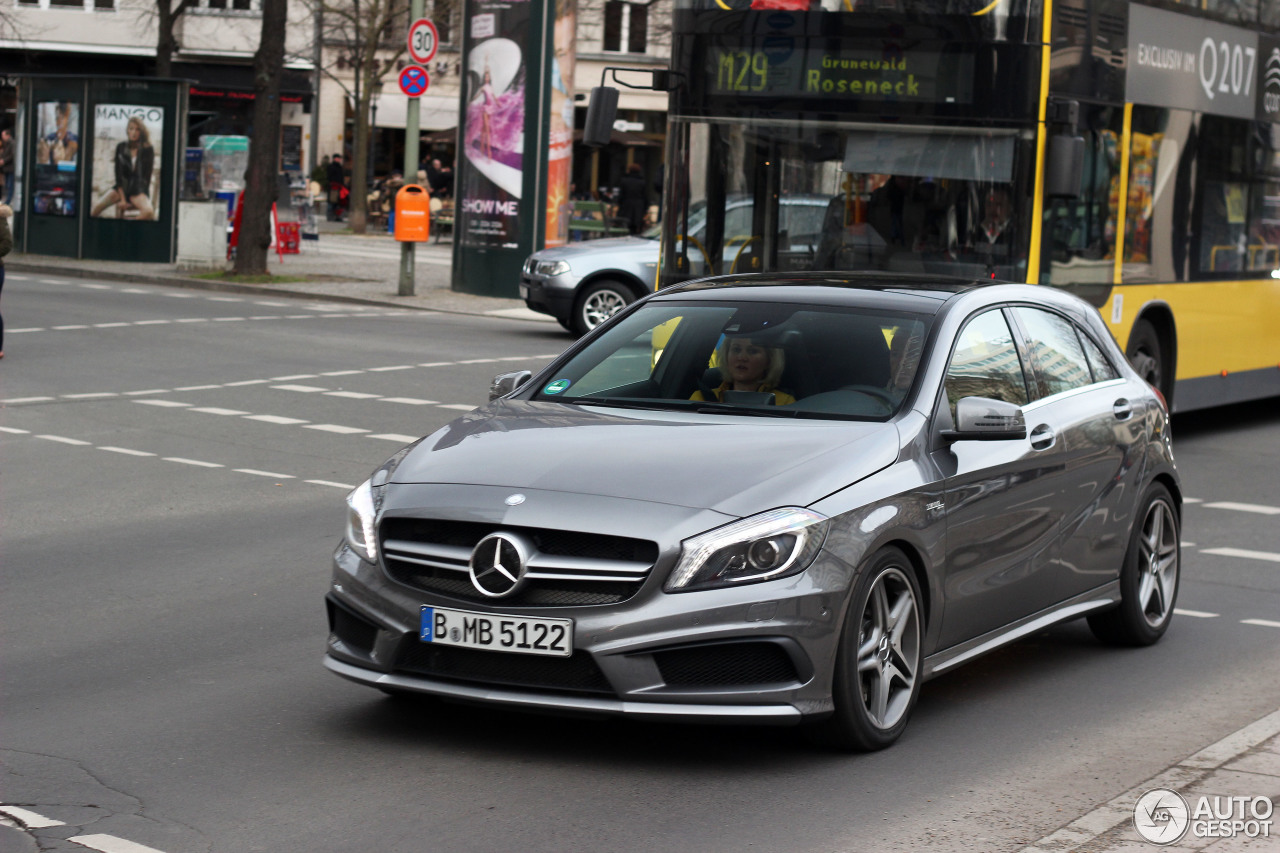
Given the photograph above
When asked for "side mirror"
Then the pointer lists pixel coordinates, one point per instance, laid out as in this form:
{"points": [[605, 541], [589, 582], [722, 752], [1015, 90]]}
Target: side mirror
{"points": [[602, 109], [984, 419], [504, 383]]}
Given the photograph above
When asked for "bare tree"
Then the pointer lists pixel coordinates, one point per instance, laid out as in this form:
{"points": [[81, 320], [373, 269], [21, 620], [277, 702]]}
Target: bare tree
{"points": [[368, 38], [264, 147], [167, 13]]}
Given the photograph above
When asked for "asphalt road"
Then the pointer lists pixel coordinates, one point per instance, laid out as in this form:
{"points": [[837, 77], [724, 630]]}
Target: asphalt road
{"points": [[172, 468]]}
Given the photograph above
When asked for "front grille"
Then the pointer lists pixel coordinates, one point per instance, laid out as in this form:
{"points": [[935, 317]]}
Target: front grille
{"points": [[723, 665], [354, 632], [575, 674], [568, 569]]}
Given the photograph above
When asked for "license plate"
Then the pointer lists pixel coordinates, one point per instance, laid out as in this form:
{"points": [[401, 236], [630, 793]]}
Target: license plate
{"points": [[524, 291], [525, 635]]}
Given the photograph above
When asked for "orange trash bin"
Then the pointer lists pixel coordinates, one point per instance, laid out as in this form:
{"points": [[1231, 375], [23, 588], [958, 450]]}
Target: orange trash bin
{"points": [[413, 214]]}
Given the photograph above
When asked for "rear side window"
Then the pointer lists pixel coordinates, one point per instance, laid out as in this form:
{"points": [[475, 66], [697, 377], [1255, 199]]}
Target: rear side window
{"points": [[1057, 357], [1103, 369], [986, 363]]}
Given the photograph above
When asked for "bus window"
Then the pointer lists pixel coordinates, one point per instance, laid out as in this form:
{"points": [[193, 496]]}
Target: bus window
{"points": [[1080, 232]]}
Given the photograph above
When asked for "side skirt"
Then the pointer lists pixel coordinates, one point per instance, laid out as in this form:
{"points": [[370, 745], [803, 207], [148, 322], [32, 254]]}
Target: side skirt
{"points": [[1107, 595]]}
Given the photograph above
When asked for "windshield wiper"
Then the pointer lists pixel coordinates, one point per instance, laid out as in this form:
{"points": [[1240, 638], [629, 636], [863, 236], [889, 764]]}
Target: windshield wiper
{"points": [[625, 403], [706, 408]]}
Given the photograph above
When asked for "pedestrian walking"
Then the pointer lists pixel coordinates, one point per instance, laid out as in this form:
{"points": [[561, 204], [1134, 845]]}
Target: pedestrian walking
{"points": [[8, 153], [633, 198], [337, 189], [6, 245]]}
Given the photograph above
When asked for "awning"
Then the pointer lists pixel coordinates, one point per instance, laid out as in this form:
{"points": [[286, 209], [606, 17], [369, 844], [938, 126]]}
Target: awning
{"points": [[435, 112]]}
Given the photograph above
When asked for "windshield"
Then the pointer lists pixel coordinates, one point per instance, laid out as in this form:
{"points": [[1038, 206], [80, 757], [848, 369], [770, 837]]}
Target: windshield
{"points": [[807, 195], [748, 358]]}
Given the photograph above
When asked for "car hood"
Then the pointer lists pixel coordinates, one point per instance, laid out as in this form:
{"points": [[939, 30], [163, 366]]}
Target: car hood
{"points": [[738, 465], [605, 247]]}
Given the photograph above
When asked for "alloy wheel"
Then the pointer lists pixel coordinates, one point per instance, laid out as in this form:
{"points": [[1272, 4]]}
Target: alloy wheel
{"points": [[889, 649], [1158, 558], [600, 306]]}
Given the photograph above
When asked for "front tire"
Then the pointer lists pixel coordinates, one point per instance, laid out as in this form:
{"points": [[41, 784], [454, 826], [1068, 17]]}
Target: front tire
{"points": [[597, 303], [1148, 579], [878, 665]]}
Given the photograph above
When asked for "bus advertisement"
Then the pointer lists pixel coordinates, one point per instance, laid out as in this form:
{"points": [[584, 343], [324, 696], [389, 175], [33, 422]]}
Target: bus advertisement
{"points": [[1126, 152]]}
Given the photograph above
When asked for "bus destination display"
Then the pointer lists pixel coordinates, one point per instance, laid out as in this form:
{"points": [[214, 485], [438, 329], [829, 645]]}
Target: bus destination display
{"points": [[781, 70]]}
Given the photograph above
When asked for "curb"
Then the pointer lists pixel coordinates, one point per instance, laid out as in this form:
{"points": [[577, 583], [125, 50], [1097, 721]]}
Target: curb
{"points": [[178, 280], [1186, 773]]}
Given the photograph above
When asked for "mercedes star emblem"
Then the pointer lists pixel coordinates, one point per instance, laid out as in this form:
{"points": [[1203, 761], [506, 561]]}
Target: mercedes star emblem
{"points": [[498, 564]]}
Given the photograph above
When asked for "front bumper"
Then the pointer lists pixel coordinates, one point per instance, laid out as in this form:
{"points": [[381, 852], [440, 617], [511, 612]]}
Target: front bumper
{"points": [[549, 295], [761, 653]]}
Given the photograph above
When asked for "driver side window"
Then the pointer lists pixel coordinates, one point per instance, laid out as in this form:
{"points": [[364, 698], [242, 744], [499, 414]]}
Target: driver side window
{"points": [[986, 363]]}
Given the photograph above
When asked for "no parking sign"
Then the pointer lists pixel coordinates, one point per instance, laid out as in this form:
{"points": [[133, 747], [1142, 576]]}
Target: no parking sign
{"points": [[414, 80]]}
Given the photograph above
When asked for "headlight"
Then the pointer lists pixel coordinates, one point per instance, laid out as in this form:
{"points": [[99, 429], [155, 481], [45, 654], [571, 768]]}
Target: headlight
{"points": [[771, 545], [552, 267], [361, 515], [363, 504]]}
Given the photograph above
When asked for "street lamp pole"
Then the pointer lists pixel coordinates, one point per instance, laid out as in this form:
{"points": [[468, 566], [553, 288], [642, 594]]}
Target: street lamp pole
{"points": [[375, 91]]}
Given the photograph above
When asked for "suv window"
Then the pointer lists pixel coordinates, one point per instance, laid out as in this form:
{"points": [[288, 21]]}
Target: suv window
{"points": [[1057, 357], [986, 363]]}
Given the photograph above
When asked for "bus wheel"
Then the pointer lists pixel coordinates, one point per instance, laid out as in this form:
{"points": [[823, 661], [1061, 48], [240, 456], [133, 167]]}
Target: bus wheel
{"points": [[1147, 355]]}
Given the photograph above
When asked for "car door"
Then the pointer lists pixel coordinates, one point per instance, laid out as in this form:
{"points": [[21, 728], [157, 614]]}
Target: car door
{"points": [[1083, 399], [1002, 509]]}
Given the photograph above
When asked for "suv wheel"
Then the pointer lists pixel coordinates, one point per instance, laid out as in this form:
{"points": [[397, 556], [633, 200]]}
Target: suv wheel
{"points": [[598, 302]]}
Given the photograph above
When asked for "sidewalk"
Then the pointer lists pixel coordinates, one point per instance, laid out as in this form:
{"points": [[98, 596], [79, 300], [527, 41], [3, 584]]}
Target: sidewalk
{"points": [[339, 267], [1243, 765]]}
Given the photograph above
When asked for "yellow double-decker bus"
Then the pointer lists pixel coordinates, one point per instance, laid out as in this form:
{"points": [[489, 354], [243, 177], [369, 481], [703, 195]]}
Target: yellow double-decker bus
{"points": [[1125, 151]]}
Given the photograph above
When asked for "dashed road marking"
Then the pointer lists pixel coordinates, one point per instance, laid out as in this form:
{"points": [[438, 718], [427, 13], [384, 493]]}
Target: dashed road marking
{"points": [[1238, 507], [31, 399], [111, 844], [1196, 614], [274, 419], [89, 396], [30, 819], [163, 403], [196, 462], [258, 473], [214, 410], [330, 483], [397, 367], [15, 430], [391, 436], [461, 407], [291, 378], [125, 450], [336, 428], [1266, 623], [1243, 554], [303, 389], [62, 439], [352, 395], [410, 401], [197, 387]]}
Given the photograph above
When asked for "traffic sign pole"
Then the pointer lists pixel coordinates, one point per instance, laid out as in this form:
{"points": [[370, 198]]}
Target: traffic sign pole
{"points": [[410, 168]]}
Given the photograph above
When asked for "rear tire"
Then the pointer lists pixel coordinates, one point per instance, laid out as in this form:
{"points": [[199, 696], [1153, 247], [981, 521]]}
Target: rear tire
{"points": [[878, 665], [1149, 577], [1146, 353], [597, 303]]}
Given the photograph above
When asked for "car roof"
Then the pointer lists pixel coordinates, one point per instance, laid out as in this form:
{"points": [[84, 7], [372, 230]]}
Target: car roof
{"points": [[920, 293]]}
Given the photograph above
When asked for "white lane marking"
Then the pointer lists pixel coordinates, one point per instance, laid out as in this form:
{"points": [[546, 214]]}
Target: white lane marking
{"points": [[478, 361], [111, 844], [258, 473], [30, 819], [64, 440], [15, 430], [461, 407], [53, 281], [392, 367], [148, 391], [298, 317], [19, 278], [169, 404], [135, 290], [32, 329], [1197, 614], [195, 462], [97, 286], [272, 304], [1266, 623], [65, 328], [192, 320], [110, 325], [214, 410], [30, 399], [330, 483], [437, 364], [342, 373], [353, 395], [225, 298], [302, 389], [410, 401], [179, 295], [1257, 508], [1186, 544], [341, 430], [1244, 554], [246, 382], [197, 387], [390, 436], [291, 378], [151, 322], [274, 419], [125, 450], [228, 319], [89, 396]]}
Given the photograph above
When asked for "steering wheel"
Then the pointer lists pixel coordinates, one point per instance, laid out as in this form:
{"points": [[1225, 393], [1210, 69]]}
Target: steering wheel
{"points": [[878, 394]]}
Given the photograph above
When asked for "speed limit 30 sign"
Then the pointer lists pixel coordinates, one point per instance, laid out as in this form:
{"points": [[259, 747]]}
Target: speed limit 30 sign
{"points": [[423, 41]]}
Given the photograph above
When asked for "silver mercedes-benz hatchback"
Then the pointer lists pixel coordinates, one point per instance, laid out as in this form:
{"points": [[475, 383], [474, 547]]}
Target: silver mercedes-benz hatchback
{"points": [[769, 499]]}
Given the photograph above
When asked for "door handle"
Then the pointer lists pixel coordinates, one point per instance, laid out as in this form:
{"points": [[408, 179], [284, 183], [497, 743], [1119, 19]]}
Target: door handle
{"points": [[1123, 409], [1042, 437]]}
